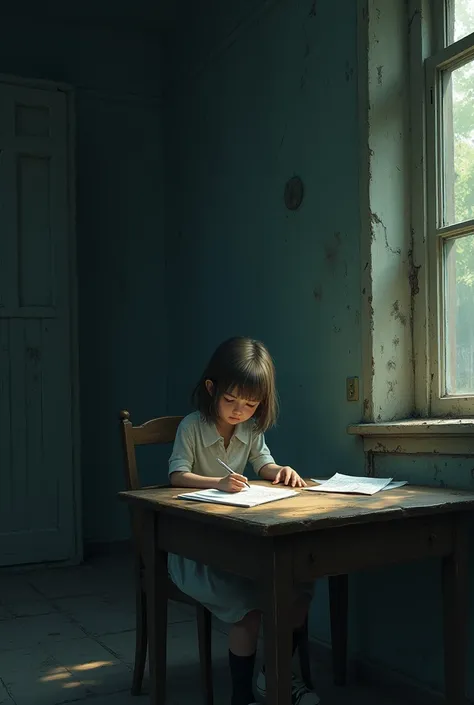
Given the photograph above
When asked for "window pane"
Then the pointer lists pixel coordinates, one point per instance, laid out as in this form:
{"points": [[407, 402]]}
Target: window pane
{"points": [[460, 20], [458, 144], [459, 314]]}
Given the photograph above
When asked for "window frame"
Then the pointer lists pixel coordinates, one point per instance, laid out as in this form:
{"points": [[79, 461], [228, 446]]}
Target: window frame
{"points": [[445, 56]]}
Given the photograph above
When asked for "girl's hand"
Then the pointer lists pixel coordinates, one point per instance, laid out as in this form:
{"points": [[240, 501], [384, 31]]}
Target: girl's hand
{"points": [[232, 483], [288, 476]]}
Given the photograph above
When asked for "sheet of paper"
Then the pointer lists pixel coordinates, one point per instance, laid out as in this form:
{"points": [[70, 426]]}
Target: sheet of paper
{"points": [[392, 486], [347, 484], [251, 497]]}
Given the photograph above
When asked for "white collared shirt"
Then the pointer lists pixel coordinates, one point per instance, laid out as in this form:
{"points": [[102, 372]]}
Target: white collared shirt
{"points": [[198, 444]]}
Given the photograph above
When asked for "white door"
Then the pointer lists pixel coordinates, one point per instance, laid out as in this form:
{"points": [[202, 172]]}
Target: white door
{"points": [[37, 498]]}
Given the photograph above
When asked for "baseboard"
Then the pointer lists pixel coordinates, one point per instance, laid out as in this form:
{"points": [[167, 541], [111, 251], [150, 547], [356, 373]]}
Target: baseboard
{"points": [[399, 685]]}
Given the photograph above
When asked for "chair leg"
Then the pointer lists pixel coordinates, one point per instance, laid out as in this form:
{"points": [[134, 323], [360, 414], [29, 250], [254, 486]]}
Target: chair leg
{"points": [[141, 641], [303, 653], [338, 598], [204, 625]]}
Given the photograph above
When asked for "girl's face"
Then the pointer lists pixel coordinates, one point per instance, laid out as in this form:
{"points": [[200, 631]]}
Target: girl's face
{"points": [[232, 408]]}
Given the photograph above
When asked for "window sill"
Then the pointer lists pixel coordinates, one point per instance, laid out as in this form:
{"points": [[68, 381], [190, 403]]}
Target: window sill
{"points": [[437, 436]]}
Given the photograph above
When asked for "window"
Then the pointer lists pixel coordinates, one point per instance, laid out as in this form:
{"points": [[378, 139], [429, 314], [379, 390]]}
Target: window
{"points": [[450, 210]]}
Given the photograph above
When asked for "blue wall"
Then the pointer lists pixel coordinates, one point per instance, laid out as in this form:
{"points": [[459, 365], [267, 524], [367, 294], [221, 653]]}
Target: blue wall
{"points": [[239, 262], [119, 233], [255, 98]]}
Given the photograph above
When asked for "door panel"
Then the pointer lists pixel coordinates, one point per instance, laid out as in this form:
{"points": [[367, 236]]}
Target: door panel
{"points": [[37, 503]]}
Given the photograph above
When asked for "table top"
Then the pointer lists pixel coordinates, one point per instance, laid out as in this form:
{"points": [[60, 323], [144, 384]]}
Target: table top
{"points": [[308, 511]]}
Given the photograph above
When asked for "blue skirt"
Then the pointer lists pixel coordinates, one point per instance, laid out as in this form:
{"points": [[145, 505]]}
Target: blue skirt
{"points": [[229, 597]]}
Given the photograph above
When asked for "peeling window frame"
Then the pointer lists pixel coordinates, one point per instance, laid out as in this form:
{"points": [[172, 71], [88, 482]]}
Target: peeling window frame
{"points": [[407, 426], [431, 392]]}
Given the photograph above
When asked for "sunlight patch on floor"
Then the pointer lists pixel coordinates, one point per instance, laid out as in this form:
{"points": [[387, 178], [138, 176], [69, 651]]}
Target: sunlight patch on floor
{"points": [[67, 672]]}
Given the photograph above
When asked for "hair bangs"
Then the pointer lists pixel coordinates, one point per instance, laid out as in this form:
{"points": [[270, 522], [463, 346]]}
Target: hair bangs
{"points": [[247, 384]]}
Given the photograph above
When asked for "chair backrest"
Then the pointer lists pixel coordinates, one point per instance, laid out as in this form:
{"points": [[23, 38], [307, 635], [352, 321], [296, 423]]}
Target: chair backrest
{"points": [[156, 431]]}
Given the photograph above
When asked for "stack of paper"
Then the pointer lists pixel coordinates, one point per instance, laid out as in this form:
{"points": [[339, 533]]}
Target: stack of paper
{"points": [[250, 497], [347, 484]]}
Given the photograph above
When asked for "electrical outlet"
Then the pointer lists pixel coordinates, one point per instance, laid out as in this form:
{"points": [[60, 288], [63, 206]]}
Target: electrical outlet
{"points": [[352, 388]]}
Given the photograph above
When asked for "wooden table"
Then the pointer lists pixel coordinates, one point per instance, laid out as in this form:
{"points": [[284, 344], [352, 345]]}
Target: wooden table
{"points": [[301, 539]]}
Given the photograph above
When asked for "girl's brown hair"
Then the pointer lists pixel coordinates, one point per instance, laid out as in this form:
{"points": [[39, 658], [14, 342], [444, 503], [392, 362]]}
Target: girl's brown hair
{"points": [[245, 367]]}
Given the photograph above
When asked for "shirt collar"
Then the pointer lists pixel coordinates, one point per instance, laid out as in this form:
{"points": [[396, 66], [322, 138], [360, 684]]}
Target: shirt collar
{"points": [[242, 432], [210, 434]]}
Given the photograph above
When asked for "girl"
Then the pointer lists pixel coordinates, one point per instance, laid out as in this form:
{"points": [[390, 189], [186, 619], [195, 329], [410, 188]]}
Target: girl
{"points": [[236, 403]]}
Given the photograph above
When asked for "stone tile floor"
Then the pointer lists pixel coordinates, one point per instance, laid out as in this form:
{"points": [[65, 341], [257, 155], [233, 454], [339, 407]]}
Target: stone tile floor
{"points": [[67, 635]]}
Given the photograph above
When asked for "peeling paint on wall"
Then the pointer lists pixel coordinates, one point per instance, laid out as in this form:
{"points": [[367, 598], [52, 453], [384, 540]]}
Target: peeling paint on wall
{"points": [[417, 13], [397, 314], [376, 220], [413, 270], [391, 387], [371, 312]]}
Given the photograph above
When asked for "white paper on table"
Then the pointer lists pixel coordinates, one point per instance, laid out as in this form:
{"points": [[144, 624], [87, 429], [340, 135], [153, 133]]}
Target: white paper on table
{"points": [[347, 484], [395, 484], [250, 497]]}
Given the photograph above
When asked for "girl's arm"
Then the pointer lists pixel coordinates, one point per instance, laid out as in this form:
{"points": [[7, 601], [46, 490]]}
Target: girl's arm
{"points": [[266, 468], [281, 473], [190, 479], [269, 471], [229, 483]]}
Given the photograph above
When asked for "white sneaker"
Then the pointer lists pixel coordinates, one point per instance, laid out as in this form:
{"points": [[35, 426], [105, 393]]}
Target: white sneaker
{"points": [[300, 694]]}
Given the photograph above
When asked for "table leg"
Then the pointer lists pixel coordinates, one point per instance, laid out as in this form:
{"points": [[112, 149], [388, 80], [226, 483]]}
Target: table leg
{"points": [[156, 568], [278, 623], [338, 599], [455, 609]]}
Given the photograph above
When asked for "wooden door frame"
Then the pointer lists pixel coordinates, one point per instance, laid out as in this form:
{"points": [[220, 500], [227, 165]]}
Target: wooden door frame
{"points": [[68, 90]]}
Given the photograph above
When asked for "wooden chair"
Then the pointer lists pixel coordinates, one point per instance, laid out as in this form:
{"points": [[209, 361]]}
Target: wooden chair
{"points": [[163, 430], [157, 431]]}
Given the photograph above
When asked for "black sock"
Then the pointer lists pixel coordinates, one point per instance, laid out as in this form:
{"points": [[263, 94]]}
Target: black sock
{"points": [[297, 634], [241, 672]]}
